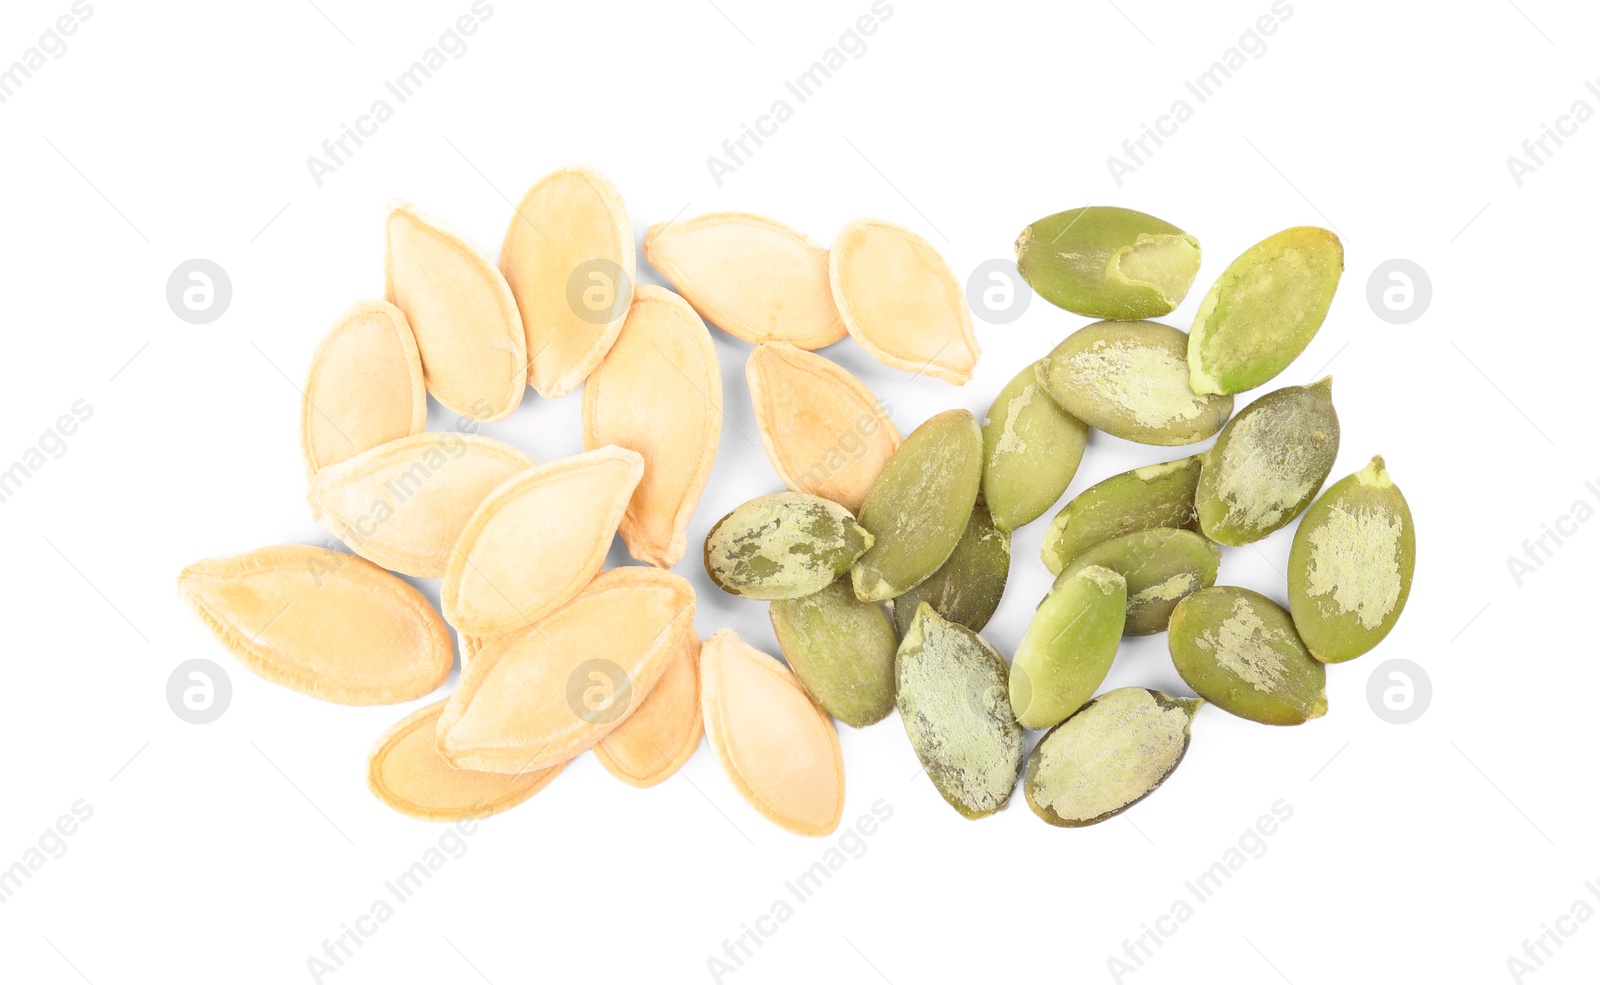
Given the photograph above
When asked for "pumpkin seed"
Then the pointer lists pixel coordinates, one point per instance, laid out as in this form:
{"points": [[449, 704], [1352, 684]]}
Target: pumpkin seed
{"points": [[1264, 309], [1031, 451], [1268, 464], [918, 508], [952, 698], [1109, 756], [967, 587], [649, 745], [1106, 262], [841, 649], [1161, 565], [1131, 380], [1067, 649], [1238, 650], [1351, 564], [1152, 496], [783, 546], [365, 386]]}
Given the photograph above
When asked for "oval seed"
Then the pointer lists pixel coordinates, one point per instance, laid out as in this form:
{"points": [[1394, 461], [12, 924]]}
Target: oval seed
{"points": [[1131, 380], [649, 745], [1264, 309], [1106, 262], [900, 302], [967, 587], [1351, 564], [841, 649], [326, 624], [1109, 756], [1162, 567], [779, 749], [469, 334], [659, 392], [365, 386], [952, 700], [1031, 451], [1152, 496], [824, 431], [1067, 649], [1239, 651], [756, 279], [783, 546], [918, 508]]}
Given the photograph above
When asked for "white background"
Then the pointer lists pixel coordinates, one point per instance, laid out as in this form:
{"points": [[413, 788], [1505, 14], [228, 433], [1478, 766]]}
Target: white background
{"points": [[231, 851]]}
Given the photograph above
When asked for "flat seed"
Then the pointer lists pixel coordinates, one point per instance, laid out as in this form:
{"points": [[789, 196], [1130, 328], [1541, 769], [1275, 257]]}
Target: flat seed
{"points": [[754, 278], [659, 392], [1268, 464], [841, 649], [824, 431], [326, 624], [967, 587], [1152, 496], [1162, 567], [779, 749], [900, 301], [540, 697], [952, 700], [1106, 262], [783, 546], [1131, 380], [1067, 649], [649, 745], [365, 386], [404, 504], [568, 256], [1239, 651], [1031, 451], [468, 332], [918, 508], [1264, 309], [1351, 564], [537, 540], [1109, 756]]}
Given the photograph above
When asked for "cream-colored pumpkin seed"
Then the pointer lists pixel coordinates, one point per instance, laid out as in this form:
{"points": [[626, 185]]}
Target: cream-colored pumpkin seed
{"points": [[1131, 380], [967, 587], [1351, 564], [1238, 650], [779, 749], [756, 279], [783, 546], [824, 431], [568, 256], [1151, 496], [659, 392], [536, 540], [1031, 451], [918, 508], [1264, 309], [841, 649], [1106, 262], [1067, 649], [1161, 565], [951, 687], [404, 504], [540, 697], [468, 332], [649, 745], [365, 386], [326, 624], [900, 302], [1109, 756]]}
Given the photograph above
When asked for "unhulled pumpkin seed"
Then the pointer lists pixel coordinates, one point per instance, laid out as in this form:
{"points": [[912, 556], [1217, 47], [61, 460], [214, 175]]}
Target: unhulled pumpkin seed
{"points": [[967, 587], [649, 745], [1152, 496], [1067, 649], [1238, 650], [1031, 451], [1106, 262], [365, 386], [783, 546], [841, 649], [1162, 566]]}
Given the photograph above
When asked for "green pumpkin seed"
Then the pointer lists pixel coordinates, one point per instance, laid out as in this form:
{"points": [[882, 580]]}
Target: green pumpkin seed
{"points": [[967, 588], [1067, 649], [1238, 650], [1351, 564], [1162, 567], [784, 546], [917, 509], [1264, 309], [1268, 464], [952, 698], [1106, 262], [842, 649], [1031, 451], [1153, 496], [1109, 756], [1131, 380]]}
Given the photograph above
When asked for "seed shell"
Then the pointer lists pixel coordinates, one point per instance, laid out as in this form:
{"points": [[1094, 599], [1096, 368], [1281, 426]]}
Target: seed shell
{"points": [[365, 386], [1106, 262], [1152, 496], [842, 650], [650, 744], [1238, 650], [1031, 451], [783, 546], [967, 587], [1068, 647], [1162, 566]]}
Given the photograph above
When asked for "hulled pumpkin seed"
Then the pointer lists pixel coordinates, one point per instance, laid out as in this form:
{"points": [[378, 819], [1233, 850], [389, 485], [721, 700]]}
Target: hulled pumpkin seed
{"points": [[783, 546], [1162, 566], [1106, 262], [1238, 650], [649, 745], [1109, 756], [842, 649], [1152, 496], [1067, 649], [967, 587], [364, 388], [1031, 451], [1351, 564]]}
